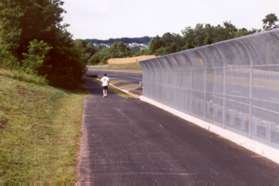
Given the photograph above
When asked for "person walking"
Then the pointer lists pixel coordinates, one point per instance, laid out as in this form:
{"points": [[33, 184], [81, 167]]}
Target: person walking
{"points": [[105, 83]]}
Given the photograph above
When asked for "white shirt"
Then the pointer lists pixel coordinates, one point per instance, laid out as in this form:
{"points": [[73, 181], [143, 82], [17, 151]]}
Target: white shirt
{"points": [[105, 81]]}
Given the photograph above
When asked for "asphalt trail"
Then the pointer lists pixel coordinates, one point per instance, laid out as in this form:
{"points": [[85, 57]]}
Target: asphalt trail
{"points": [[130, 143]]}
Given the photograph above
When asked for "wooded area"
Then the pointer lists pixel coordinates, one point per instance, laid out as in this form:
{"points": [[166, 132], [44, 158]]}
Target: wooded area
{"points": [[33, 39]]}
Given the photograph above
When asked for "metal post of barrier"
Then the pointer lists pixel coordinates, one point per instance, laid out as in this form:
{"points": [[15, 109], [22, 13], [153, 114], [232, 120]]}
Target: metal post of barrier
{"points": [[224, 95]]}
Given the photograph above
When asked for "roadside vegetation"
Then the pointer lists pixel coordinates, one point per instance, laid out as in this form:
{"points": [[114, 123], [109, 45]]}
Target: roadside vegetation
{"points": [[34, 40], [39, 131], [41, 69]]}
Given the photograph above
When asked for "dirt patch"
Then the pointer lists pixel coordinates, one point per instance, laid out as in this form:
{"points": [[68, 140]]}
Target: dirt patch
{"points": [[21, 90], [3, 123]]}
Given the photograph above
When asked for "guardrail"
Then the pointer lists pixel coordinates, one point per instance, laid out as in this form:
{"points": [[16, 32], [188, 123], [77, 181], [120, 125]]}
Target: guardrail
{"points": [[232, 84]]}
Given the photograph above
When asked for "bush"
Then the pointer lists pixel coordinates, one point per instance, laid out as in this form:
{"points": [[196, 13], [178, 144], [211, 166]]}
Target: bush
{"points": [[7, 60], [117, 50], [28, 29], [64, 67], [35, 56], [100, 57]]}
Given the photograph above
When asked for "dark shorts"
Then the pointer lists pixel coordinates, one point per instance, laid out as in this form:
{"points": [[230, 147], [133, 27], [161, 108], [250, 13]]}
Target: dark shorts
{"points": [[105, 87]]}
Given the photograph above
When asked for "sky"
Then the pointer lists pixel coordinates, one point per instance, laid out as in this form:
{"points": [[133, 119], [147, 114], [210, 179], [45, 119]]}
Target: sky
{"points": [[103, 19]]}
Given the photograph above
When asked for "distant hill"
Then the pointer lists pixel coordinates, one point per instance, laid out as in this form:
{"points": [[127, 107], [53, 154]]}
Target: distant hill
{"points": [[127, 40]]}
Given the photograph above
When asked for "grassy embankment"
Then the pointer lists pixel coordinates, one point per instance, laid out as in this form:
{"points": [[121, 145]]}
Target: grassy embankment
{"points": [[129, 63], [39, 131]]}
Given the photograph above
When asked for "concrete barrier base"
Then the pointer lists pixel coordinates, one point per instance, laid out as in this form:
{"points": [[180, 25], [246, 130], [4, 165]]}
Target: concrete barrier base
{"points": [[250, 144]]}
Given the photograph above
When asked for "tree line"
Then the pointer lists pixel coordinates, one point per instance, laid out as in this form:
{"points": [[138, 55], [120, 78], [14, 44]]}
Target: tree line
{"points": [[204, 34], [142, 40], [201, 34], [34, 39]]}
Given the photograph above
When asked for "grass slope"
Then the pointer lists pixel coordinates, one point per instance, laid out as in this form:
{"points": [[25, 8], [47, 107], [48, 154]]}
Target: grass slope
{"points": [[39, 132]]}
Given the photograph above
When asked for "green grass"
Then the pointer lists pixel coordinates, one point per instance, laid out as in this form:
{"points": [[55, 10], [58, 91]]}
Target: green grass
{"points": [[39, 131], [22, 76]]}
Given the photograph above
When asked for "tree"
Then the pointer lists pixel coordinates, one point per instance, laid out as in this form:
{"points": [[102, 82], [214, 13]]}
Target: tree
{"points": [[100, 57], [25, 20], [168, 43], [269, 22], [10, 31], [86, 47], [204, 34], [22, 21], [155, 44], [201, 34], [119, 49], [34, 58]]}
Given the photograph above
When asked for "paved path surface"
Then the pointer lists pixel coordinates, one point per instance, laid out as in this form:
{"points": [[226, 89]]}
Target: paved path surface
{"points": [[130, 143]]}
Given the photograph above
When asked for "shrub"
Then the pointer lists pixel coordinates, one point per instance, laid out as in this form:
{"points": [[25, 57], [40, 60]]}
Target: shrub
{"points": [[7, 60], [100, 57], [35, 56], [117, 50], [64, 67]]}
